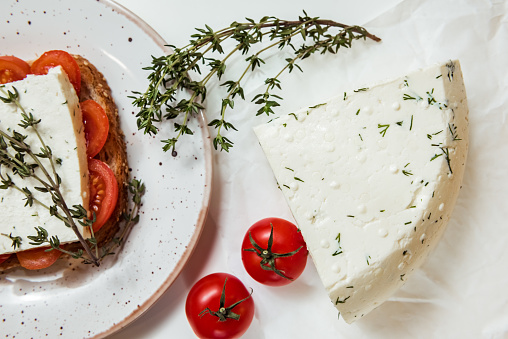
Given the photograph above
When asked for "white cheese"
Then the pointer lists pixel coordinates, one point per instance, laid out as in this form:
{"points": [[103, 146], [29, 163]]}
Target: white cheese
{"points": [[52, 99], [371, 178]]}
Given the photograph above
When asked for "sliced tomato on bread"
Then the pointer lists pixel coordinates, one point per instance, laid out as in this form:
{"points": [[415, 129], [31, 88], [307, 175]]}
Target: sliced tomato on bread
{"points": [[4, 257], [12, 69], [38, 258], [103, 192], [96, 126], [55, 58]]}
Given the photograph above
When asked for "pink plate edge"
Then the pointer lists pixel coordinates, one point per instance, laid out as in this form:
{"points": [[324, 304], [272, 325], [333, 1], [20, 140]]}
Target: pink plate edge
{"points": [[206, 196]]}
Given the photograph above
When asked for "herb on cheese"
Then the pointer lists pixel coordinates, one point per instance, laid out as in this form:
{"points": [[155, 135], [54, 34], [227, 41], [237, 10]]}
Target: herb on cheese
{"points": [[339, 251], [16, 241], [296, 118], [338, 301], [384, 129]]}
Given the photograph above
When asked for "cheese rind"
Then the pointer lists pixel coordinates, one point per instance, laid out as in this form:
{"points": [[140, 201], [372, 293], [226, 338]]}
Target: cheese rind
{"points": [[371, 177], [52, 99]]}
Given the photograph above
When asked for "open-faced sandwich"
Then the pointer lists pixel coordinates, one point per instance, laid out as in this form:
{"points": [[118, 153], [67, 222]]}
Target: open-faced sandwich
{"points": [[61, 106]]}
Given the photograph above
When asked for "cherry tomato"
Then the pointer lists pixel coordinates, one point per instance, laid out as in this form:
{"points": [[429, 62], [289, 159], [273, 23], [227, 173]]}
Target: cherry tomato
{"points": [[274, 252], [4, 257], [38, 258], [219, 306], [54, 58], [96, 126], [103, 191], [12, 69]]}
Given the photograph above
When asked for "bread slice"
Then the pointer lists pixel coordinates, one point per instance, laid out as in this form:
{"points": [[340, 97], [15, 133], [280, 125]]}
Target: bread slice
{"points": [[94, 86]]}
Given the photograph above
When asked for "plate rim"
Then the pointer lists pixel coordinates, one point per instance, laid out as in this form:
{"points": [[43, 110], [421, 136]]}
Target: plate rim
{"points": [[141, 309]]}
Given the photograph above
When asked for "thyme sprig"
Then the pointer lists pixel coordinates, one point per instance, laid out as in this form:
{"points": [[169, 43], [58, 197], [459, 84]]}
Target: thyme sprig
{"points": [[170, 74]]}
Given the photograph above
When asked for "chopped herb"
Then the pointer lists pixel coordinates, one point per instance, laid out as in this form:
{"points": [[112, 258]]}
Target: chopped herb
{"points": [[399, 123], [409, 97], [318, 105], [407, 165], [402, 276], [453, 130], [361, 90], [447, 155], [411, 126], [289, 169], [344, 95], [406, 83], [360, 136], [350, 287], [339, 251], [407, 173], [436, 156], [350, 216], [451, 70], [293, 115], [384, 129], [430, 97], [338, 301], [296, 178], [286, 186], [429, 136], [439, 76], [407, 223], [284, 124], [381, 211], [358, 112], [367, 258]]}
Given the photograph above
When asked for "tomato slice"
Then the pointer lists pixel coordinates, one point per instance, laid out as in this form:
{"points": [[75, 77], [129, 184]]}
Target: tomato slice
{"points": [[55, 58], [37, 258], [103, 191], [12, 69], [4, 257], [96, 126]]}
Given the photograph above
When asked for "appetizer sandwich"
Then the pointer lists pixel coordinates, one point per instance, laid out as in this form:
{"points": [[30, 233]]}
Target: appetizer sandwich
{"points": [[77, 120]]}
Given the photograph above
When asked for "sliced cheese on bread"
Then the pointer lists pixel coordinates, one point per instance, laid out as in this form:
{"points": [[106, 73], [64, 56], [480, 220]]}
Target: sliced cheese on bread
{"points": [[52, 99], [371, 177]]}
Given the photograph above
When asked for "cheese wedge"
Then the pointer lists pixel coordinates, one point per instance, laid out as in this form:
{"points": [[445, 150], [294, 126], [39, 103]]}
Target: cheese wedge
{"points": [[52, 99], [371, 177]]}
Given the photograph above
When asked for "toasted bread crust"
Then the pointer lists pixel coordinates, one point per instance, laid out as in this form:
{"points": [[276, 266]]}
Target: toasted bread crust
{"points": [[95, 87]]}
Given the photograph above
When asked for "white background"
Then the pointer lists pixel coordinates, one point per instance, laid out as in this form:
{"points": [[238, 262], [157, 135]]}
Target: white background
{"points": [[461, 291]]}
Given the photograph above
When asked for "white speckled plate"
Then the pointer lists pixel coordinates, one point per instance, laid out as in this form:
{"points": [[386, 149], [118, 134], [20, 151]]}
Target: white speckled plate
{"points": [[74, 300]]}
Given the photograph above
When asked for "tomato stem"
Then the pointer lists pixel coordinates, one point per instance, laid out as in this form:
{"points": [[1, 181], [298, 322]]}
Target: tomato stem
{"points": [[224, 313], [267, 256]]}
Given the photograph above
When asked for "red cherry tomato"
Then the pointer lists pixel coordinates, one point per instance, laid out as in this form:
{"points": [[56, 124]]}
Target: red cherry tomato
{"points": [[12, 69], [278, 261], [38, 258], [103, 191], [55, 58], [96, 126], [4, 257], [214, 318]]}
